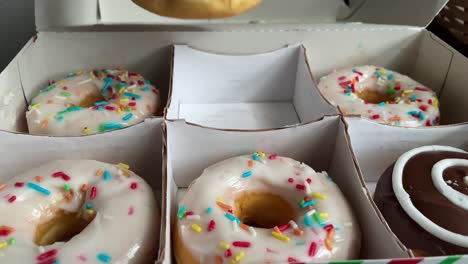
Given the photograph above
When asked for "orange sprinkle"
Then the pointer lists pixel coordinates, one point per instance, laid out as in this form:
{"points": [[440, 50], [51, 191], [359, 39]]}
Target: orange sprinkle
{"points": [[328, 244], [2, 186], [148, 107], [310, 208], [134, 108], [38, 179], [344, 112], [395, 118], [298, 232], [250, 163], [330, 234], [69, 196], [69, 105], [218, 259], [44, 123], [223, 206], [84, 187], [50, 101], [277, 230], [99, 173], [244, 226]]}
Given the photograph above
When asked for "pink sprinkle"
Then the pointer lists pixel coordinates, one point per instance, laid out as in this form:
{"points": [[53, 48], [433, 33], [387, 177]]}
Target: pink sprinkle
{"points": [[243, 244], [130, 210], [312, 249], [428, 123], [273, 156], [132, 74], [82, 258], [154, 91], [131, 104], [292, 260], [291, 180], [271, 251], [61, 174], [133, 185], [429, 101], [53, 81], [211, 225], [358, 72], [341, 78], [376, 116], [19, 184], [12, 199], [300, 187], [309, 180], [110, 108], [398, 88], [189, 213], [328, 227], [47, 255], [93, 193], [423, 107], [228, 253], [344, 83], [284, 227], [421, 89], [140, 82]]}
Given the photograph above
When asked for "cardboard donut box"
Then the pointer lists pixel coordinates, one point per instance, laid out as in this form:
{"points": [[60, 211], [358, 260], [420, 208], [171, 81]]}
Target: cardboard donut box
{"points": [[239, 85]]}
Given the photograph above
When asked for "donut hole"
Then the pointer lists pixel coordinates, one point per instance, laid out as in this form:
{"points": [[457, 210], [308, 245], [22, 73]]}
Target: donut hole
{"points": [[263, 210], [61, 228], [90, 99], [375, 97]]}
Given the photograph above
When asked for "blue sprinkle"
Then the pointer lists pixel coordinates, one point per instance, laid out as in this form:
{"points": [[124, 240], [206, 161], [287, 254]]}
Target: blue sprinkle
{"points": [[108, 126], [413, 113], [310, 202], [181, 212], [246, 174], [382, 104], [59, 118], [89, 206], [56, 262], [136, 96], [255, 157], [104, 257], [108, 82], [378, 74], [330, 179], [127, 117], [38, 188], [71, 75], [337, 228], [100, 108], [390, 77], [232, 218], [348, 93], [421, 115], [74, 108], [307, 221], [413, 98], [107, 175], [146, 89], [100, 103], [209, 210], [147, 82]]}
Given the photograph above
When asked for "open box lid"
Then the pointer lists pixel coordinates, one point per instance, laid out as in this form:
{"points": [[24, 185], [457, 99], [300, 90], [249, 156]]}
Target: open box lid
{"points": [[58, 15]]}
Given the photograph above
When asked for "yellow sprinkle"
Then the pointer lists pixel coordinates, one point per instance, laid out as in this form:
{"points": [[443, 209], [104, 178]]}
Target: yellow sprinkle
{"points": [[122, 89], [324, 215], [319, 196], [124, 100], [436, 102], [240, 256], [124, 166], [224, 245], [35, 105], [119, 111], [405, 92], [86, 130], [61, 83], [280, 236], [90, 211], [79, 72], [3, 244], [196, 228], [382, 72], [219, 199], [261, 154], [397, 99], [49, 116], [134, 90]]}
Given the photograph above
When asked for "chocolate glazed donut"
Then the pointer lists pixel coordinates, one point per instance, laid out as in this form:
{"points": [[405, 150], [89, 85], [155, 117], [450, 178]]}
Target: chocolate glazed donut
{"points": [[444, 229]]}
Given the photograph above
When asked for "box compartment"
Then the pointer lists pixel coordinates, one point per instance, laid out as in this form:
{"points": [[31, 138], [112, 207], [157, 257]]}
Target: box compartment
{"points": [[323, 145]]}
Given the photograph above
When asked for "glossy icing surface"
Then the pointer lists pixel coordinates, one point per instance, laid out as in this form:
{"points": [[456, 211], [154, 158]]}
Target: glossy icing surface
{"points": [[323, 228], [406, 102], [92, 102], [120, 207]]}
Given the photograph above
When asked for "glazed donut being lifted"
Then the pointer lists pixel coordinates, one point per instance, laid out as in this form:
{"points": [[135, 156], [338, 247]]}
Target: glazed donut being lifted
{"points": [[197, 9], [92, 102], [381, 95], [264, 208]]}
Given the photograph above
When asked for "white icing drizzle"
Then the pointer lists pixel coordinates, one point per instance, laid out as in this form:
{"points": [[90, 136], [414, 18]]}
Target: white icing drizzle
{"points": [[405, 200], [225, 180], [457, 198], [414, 105]]}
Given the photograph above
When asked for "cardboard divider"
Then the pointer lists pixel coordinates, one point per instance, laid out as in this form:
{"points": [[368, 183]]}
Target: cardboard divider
{"points": [[322, 145], [139, 146], [258, 91]]}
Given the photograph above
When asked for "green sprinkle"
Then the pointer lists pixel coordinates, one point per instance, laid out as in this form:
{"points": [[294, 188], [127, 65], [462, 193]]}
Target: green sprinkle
{"points": [[128, 109], [450, 260], [66, 187], [66, 94], [12, 241], [391, 85], [48, 89], [389, 91]]}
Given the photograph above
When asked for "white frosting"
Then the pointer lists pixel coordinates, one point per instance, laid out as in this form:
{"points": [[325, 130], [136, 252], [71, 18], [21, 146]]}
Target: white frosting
{"points": [[225, 181], [414, 105], [128, 100], [405, 200], [457, 198], [125, 227]]}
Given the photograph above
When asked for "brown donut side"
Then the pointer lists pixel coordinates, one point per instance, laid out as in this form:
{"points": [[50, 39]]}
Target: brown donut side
{"points": [[417, 182]]}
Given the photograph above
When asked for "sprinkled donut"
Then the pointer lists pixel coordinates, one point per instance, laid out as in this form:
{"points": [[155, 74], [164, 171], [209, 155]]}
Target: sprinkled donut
{"points": [[77, 211], [382, 95], [92, 102], [264, 208]]}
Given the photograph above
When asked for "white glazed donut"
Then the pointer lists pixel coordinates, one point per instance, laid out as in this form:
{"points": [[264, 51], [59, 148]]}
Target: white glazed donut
{"points": [[382, 95], [109, 214], [264, 208], [92, 102]]}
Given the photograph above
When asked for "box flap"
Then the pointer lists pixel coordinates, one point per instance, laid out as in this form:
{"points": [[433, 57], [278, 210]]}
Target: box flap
{"points": [[60, 14]]}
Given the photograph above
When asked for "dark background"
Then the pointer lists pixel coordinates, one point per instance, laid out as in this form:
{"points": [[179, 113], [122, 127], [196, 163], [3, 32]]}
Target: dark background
{"points": [[17, 27]]}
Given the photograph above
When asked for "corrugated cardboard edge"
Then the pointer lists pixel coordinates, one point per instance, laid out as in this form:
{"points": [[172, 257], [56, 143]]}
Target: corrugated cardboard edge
{"points": [[164, 225]]}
